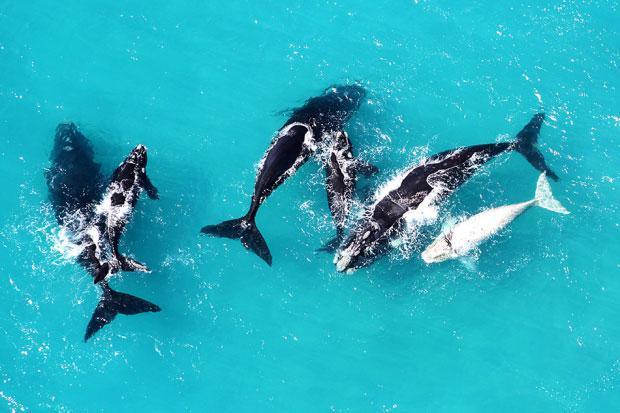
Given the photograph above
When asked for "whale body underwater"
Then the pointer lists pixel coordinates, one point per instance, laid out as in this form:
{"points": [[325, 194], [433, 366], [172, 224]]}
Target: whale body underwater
{"points": [[429, 182], [341, 169], [320, 118], [95, 215]]}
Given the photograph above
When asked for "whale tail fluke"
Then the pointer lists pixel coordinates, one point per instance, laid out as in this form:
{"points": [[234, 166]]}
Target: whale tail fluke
{"points": [[544, 197], [525, 144], [112, 303], [129, 264], [245, 230]]}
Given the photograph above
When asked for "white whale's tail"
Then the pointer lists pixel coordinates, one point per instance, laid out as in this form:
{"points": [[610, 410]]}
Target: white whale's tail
{"points": [[544, 197]]}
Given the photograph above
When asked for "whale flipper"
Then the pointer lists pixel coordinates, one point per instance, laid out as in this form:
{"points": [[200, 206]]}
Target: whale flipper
{"points": [[112, 303], [245, 230], [129, 264], [470, 262], [331, 245], [366, 168], [151, 190], [526, 145]]}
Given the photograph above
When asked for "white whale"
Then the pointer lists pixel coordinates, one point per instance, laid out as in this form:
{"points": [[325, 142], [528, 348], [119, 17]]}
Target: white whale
{"points": [[465, 236]]}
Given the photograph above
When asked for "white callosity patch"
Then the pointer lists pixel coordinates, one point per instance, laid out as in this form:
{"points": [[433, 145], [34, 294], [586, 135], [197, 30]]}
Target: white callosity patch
{"points": [[468, 234]]}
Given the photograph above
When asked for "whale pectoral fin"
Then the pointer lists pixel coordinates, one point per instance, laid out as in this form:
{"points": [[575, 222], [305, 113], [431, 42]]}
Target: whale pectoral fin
{"points": [[470, 262], [331, 246], [366, 168], [148, 186], [129, 264], [366, 193]]}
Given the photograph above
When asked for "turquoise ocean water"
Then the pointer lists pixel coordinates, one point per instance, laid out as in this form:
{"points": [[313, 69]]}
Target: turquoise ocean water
{"points": [[535, 327]]}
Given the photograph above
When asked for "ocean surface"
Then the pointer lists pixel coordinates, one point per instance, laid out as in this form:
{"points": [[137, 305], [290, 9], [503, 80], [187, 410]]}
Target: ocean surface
{"points": [[533, 325]]}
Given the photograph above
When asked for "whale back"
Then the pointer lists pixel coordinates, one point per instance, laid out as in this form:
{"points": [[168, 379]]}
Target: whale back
{"points": [[74, 179], [331, 110]]}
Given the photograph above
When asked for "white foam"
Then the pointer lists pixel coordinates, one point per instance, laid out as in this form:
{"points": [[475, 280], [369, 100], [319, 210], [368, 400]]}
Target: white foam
{"points": [[426, 213], [63, 244], [118, 213]]}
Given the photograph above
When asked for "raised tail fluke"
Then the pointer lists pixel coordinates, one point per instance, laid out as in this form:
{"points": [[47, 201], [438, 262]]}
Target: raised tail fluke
{"points": [[245, 230], [544, 197], [112, 303], [525, 144]]}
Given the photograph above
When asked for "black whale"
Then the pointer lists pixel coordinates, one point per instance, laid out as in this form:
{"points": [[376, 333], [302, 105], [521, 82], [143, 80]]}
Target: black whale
{"points": [[319, 118], [341, 169], [437, 176], [76, 185]]}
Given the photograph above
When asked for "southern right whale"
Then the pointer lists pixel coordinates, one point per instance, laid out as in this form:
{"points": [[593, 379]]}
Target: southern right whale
{"points": [[113, 212], [341, 169], [468, 234], [76, 186], [74, 179], [432, 180], [318, 119]]}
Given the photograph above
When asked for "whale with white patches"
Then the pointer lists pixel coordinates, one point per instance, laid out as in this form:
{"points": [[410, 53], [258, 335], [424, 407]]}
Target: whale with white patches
{"points": [[113, 212], [341, 169], [296, 141], [428, 183], [93, 219], [101, 239], [467, 235]]}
